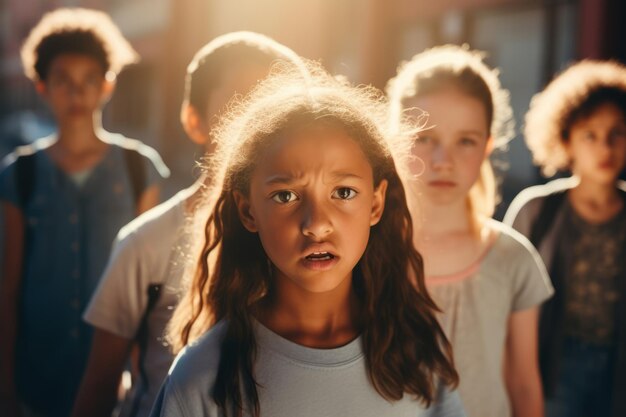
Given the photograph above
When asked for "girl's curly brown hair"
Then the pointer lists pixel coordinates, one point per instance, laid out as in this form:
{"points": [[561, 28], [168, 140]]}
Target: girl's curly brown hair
{"points": [[405, 348], [573, 94]]}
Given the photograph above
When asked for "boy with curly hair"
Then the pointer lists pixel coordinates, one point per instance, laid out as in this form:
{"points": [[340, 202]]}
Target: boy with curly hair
{"points": [[64, 198], [578, 224]]}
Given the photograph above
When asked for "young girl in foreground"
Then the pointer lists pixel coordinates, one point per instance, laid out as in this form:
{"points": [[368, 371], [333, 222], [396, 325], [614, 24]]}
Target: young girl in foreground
{"points": [[486, 278], [305, 275], [578, 124]]}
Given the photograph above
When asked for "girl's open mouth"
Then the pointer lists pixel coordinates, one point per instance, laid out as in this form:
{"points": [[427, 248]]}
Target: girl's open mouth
{"points": [[320, 256], [320, 261]]}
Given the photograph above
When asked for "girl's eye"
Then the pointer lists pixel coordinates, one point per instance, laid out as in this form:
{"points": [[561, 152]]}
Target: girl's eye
{"points": [[284, 197], [422, 139], [59, 82], [467, 142], [344, 193], [617, 134], [93, 81]]}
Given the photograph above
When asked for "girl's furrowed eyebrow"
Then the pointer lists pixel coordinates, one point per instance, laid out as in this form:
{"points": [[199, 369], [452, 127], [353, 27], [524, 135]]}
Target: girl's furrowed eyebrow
{"points": [[342, 175], [288, 179], [279, 179]]}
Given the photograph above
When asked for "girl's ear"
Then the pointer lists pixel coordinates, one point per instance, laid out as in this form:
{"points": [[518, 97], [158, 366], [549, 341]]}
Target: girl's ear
{"points": [[489, 146], [567, 147], [40, 87], [194, 124], [378, 202], [108, 87], [245, 214]]}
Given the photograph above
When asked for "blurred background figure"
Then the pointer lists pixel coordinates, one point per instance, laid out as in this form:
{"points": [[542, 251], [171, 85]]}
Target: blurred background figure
{"points": [[141, 285], [578, 124], [64, 199], [487, 279]]}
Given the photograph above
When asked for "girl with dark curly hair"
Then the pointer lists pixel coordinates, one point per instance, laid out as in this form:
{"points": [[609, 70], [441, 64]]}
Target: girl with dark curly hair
{"points": [[578, 124]]}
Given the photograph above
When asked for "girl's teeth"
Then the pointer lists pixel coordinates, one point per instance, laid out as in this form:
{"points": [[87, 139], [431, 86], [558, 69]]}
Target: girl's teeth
{"points": [[320, 256]]}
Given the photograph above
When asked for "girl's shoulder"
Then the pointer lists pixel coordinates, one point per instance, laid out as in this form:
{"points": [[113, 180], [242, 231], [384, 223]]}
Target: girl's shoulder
{"points": [[513, 256], [512, 252], [529, 201], [28, 150], [20, 169], [169, 217], [136, 146], [511, 249], [508, 241], [195, 367], [188, 387]]}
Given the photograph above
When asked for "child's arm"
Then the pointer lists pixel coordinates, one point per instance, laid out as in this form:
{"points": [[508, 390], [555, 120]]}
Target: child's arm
{"points": [[115, 312], [98, 390], [521, 369], [148, 199], [10, 284]]}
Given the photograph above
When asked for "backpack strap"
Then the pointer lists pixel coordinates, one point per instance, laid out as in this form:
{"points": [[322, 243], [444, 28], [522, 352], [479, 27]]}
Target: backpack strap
{"points": [[547, 214], [136, 172], [154, 293], [25, 178]]}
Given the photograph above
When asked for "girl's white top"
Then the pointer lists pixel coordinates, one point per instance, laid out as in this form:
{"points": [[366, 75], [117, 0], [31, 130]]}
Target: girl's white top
{"points": [[476, 305], [293, 381]]}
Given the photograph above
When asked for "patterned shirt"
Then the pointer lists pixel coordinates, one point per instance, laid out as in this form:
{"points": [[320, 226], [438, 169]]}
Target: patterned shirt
{"points": [[591, 260]]}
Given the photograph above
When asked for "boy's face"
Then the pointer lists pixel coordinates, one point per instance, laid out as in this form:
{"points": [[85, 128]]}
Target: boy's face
{"points": [[75, 87], [597, 145], [232, 82]]}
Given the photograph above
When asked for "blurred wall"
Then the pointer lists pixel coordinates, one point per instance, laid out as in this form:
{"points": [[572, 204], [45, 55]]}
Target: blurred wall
{"points": [[363, 39]]}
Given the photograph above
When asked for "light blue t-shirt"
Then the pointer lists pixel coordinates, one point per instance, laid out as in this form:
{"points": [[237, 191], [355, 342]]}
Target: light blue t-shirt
{"points": [[293, 380], [69, 233]]}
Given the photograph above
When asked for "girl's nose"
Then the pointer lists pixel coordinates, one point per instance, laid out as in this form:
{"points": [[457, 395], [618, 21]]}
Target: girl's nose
{"points": [[316, 223], [440, 157], [77, 89]]}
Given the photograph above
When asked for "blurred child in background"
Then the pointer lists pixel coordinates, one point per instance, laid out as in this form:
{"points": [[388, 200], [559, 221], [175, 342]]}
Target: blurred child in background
{"points": [[64, 199], [486, 278], [140, 286], [308, 297], [578, 224]]}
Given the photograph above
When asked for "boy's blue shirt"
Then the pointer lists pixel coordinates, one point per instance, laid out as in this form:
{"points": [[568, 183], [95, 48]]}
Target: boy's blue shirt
{"points": [[70, 230]]}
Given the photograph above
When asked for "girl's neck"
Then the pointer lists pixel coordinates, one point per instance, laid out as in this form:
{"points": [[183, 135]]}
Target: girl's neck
{"points": [[80, 136], [78, 147], [318, 320], [595, 202], [434, 221], [447, 239]]}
